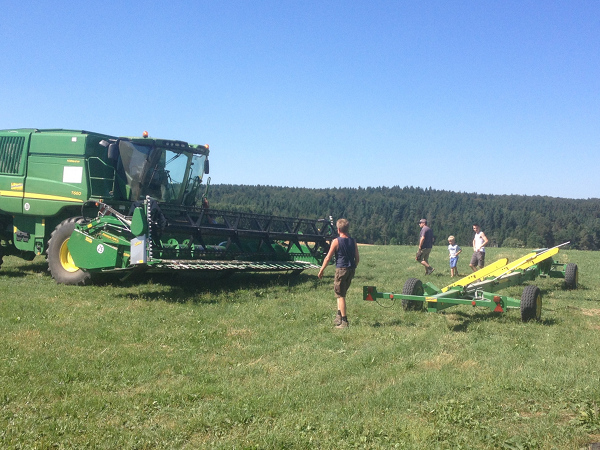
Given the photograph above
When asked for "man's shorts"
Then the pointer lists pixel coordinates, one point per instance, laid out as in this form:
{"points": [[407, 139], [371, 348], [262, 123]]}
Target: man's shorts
{"points": [[342, 280], [478, 259], [424, 255], [453, 262]]}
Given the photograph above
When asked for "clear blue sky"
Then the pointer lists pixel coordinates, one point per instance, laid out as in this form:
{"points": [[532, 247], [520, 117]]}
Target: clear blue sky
{"points": [[495, 97]]}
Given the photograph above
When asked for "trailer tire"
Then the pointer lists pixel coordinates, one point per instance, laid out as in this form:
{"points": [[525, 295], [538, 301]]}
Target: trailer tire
{"points": [[571, 276], [531, 304], [60, 262], [413, 286]]}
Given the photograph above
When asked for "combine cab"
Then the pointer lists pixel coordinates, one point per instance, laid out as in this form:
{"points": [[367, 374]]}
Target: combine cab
{"points": [[96, 203]]}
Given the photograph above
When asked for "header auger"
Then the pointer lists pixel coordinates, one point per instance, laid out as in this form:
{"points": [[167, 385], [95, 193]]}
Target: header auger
{"points": [[479, 288], [95, 203]]}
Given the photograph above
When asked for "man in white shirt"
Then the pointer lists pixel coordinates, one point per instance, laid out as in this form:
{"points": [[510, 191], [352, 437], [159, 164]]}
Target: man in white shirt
{"points": [[479, 242]]}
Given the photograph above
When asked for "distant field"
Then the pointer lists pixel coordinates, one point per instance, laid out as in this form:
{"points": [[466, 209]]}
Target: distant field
{"points": [[253, 361]]}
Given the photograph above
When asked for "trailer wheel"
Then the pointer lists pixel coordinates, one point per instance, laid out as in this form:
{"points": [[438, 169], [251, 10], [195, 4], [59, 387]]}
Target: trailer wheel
{"points": [[531, 304], [413, 286], [60, 263], [571, 276]]}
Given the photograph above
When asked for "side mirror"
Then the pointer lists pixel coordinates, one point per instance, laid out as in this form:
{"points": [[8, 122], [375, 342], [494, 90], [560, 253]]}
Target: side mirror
{"points": [[113, 151], [206, 166]]}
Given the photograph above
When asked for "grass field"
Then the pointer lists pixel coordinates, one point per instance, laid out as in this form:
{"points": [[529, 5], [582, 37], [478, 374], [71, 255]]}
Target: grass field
{"points": [[253, 361]]}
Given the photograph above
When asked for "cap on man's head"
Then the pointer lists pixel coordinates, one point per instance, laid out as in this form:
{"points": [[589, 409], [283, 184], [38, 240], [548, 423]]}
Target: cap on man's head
{"points": [[423, 221]]}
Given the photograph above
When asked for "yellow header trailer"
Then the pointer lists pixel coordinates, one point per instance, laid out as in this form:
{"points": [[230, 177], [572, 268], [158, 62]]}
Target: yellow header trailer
{"points": [[479, 288]]}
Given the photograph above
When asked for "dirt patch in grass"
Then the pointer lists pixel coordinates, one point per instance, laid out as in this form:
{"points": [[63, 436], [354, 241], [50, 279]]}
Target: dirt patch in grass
{"points": [[468, 364], [439, 361], [592, 313], [244, 332], [27, 338]]}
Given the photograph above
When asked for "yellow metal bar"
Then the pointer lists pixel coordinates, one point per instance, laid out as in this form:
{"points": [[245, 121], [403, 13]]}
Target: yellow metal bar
{"points": [[501, 263], [525, 262]]}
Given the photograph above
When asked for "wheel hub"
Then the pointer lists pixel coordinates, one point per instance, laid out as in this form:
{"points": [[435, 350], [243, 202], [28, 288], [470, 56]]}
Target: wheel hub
{"points": [[66, 260]]}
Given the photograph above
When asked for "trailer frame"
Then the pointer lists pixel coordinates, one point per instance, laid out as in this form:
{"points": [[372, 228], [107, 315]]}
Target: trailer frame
{"points": [[482, 290]]}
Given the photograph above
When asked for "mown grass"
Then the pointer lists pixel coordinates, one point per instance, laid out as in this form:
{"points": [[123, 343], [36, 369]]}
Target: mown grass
{"points": [[253, 361]]}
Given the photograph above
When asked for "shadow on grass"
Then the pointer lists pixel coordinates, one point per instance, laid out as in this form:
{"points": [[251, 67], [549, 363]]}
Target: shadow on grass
{"points": [[461, 320], [390, 323], [25, 270], [205, 289], [179, 287], [580, 287], [394, 323]]}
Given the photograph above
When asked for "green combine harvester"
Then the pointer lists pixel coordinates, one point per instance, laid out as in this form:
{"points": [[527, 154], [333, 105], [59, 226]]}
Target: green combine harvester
{"points": [[95, 203]]}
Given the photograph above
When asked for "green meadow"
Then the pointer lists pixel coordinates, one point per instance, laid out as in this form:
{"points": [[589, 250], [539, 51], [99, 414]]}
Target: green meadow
{"points": [[253, 361]]}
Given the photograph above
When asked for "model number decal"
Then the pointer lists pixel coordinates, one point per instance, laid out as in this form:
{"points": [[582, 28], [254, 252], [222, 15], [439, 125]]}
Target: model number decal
{"points": [[76, 192], [109, 237]]}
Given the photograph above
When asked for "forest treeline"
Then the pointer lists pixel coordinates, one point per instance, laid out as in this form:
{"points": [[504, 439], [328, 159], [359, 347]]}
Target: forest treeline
{"points": [[390, 215]]}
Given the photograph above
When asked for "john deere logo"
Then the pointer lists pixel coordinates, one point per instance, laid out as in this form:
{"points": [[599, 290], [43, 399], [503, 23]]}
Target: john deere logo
{"points": [[100, 248]]}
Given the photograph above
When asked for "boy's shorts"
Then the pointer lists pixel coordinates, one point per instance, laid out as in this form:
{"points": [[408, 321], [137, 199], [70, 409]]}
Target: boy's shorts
{"points": [[478, 259], [342, 280], [453, 262]]}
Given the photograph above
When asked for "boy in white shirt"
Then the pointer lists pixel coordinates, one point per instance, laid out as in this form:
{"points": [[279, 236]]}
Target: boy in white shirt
{"points": [[454, 250]]}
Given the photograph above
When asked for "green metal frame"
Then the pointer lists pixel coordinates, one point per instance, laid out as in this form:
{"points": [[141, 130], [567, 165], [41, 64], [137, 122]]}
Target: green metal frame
{"points": [[482, 293]]}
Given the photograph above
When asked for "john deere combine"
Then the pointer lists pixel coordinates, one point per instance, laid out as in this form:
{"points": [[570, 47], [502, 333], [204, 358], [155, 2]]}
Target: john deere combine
{"points": [[96, 203]]}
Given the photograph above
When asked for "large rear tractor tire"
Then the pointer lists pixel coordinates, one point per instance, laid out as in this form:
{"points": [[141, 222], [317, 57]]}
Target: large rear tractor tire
{"points": [[571, 276], [60, 263], [413, 286], [531, 304]]}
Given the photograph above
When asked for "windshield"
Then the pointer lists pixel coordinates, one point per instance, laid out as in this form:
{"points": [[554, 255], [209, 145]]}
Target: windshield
{"points": [[160, 173]]}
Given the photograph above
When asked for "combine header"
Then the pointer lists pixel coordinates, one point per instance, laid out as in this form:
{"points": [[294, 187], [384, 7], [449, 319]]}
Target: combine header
{"points": [[479, 288], [101, 204], [162, 238]]}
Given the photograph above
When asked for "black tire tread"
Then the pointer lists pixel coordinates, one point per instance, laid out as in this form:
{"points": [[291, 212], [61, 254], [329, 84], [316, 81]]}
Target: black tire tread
{"points": [[62, 232], [571, 275], [529, 305], [412, 286]]}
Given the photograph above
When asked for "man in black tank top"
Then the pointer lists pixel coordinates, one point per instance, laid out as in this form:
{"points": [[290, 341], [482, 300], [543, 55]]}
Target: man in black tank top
{"points": [[346, 257]]}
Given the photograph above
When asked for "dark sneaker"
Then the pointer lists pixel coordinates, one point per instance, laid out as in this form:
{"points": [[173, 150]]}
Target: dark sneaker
{"points": [[338, 319], [343, 324], [429, 271]]}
